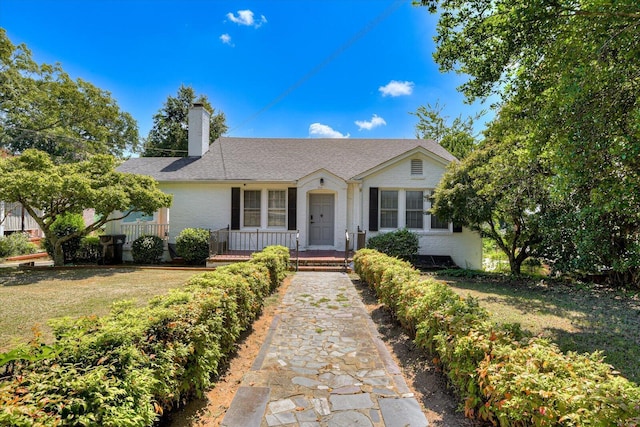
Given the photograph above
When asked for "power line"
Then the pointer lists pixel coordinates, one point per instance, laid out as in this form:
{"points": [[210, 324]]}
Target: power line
{"points": [[371, 25]]}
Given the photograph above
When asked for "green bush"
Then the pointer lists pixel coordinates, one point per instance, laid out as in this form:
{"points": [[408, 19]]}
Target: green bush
{"points": [[130, 366], [16, 244], [64, 225], [147, 249], [90, 249], [502, 375], [276, 259], [192, 244], [401, 244]]}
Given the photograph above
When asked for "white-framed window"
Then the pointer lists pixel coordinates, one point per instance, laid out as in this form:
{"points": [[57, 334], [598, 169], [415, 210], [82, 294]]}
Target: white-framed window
{"points": [[409, 208], [251, 211], [389, 209], [277, 208], [414, 209], [437, 223]]}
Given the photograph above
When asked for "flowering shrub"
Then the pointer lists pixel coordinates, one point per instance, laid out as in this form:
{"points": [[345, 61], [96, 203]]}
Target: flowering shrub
{"points": [[502, 375], [147, 250]]}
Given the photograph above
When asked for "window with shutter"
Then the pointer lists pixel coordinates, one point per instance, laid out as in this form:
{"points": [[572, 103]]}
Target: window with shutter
{"points": [[389, 209], [251, 208]]}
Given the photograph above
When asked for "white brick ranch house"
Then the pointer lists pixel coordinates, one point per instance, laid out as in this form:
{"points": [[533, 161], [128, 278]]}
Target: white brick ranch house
{"points": [[261, 191]]}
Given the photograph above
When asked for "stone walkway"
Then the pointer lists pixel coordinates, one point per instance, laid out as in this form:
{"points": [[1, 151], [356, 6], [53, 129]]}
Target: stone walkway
{"points": [[323, 364]]}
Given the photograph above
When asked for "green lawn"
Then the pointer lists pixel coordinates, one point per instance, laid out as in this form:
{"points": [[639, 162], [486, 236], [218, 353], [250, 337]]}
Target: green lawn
{"points": [[577, 318], [29, 298]]}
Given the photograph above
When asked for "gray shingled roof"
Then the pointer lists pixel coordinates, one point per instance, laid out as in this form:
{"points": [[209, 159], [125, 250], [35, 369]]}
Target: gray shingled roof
{"points": [[274, 159]]}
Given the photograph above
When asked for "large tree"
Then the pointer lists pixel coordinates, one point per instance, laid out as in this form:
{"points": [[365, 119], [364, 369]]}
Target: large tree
{"points": [[48, 190], [572, 67], [169, 135], [456, 136], [42, 107], [500, 190]]}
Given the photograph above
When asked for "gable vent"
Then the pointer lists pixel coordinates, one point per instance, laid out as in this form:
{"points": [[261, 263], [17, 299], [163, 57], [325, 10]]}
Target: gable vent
{"points": [[416, 167]]}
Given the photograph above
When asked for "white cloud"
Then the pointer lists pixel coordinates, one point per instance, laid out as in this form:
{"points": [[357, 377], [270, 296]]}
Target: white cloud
{"points": [[396, 88], [245, 17], [323, 131], [226, 39], [368, 125]]}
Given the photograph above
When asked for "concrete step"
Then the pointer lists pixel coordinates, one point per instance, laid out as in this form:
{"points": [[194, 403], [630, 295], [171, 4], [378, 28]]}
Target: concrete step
{"points": [[327, 268]]}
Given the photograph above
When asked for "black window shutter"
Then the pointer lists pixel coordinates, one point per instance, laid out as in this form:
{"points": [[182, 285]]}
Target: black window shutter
{"points": [[457, 228], [373, 209], [292, 200], [235, 208]]}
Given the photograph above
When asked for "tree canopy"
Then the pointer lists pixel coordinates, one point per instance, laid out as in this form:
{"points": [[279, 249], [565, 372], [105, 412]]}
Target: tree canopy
{"points": [[42, 107], [500, 190], [571, 67], [48, 190], [169, 135], [456, 136]]}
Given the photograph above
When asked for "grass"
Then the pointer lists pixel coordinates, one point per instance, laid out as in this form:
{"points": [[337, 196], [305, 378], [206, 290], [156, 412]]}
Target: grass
{"points": [[29, 298], [578, 318]]}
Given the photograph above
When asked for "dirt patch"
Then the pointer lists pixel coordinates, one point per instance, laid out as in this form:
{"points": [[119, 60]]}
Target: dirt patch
{"points": [[424, 380]]}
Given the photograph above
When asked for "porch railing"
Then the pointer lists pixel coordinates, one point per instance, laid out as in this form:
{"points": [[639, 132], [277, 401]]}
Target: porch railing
{"points": [[135, 230], [225, 241]]}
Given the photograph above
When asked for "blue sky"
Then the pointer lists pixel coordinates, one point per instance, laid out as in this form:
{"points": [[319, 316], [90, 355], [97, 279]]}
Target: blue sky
{"points": [[280, 68]]}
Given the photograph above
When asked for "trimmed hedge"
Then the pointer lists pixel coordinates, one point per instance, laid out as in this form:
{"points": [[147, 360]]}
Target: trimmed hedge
{"points": [[403, 244], [130, 366], [503, 375], [192, 244]]}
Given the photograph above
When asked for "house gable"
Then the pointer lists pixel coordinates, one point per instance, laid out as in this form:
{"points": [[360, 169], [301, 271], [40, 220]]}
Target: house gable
{"points": [[431, 162]]}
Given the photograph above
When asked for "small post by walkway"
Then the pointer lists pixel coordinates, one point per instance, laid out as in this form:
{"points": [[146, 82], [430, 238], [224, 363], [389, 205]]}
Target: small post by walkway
{"points": [[346, 250], [297, 249]]}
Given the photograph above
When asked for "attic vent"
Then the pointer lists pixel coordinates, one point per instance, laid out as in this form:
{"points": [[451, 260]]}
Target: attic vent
{"points": [[416, 167]]}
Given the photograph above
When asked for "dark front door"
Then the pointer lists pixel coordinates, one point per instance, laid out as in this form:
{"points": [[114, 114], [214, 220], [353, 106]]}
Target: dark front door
{"points": [[321, 216]]}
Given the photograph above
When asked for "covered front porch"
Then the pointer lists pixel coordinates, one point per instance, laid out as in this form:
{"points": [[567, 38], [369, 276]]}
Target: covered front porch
{"points": [[228, 246]]}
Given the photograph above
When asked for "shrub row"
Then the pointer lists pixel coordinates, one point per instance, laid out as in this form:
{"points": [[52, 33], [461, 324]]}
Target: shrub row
{"points": [[503, 375], [128, 367]]}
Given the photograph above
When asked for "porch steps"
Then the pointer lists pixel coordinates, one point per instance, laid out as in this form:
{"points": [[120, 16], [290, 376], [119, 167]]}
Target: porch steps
{"points": [[317, 261], [321, 264]]}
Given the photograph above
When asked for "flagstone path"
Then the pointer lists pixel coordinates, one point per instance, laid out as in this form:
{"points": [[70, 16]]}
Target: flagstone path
{"points": [[323, 364]]}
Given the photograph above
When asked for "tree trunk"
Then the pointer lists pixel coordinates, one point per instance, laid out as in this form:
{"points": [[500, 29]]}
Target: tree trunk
{"points": [[58, 254], [515, 264]]}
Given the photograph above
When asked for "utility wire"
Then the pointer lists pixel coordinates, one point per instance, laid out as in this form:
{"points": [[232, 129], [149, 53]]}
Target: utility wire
{"points": [[370, 26]]}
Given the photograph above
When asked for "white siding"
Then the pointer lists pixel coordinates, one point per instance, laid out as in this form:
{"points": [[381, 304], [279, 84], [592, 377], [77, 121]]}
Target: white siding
{"points": [[464, 248], [198, 205]]}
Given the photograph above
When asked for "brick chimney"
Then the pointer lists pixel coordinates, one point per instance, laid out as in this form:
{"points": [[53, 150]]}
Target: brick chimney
{"points": [[198, 130]]}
